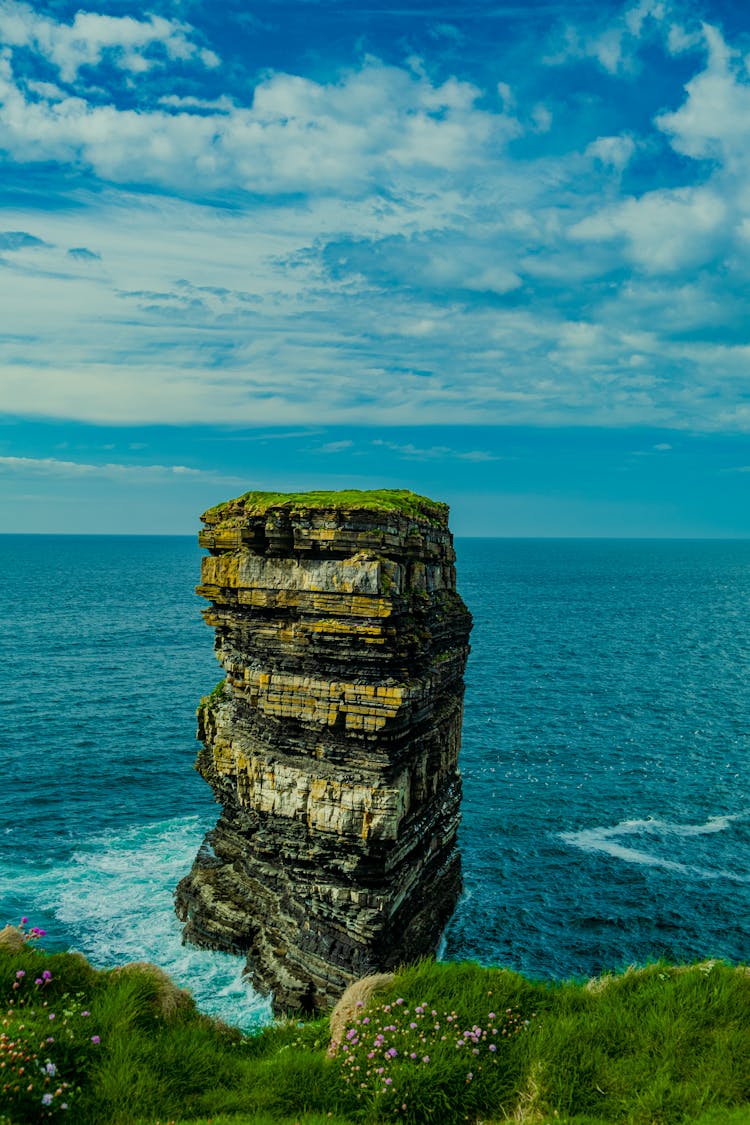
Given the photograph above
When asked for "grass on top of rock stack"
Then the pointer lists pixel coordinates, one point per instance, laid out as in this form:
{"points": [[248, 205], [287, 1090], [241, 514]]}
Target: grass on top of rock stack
{"points": [[400, 500], [446, 1043]]}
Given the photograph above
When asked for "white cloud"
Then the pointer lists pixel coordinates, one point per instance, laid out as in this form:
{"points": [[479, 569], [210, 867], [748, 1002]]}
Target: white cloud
{"points": [[714, 121], [446, 31], [54, 467], [175, 101], [434, 452], [636, 17], [474, 272], [664, 231], [605, 47], [194, 315], [406, 265], [126, 42], [614, 152], [615, 43], [541, 118], [506, 96], [336, 446], [374, 125]]}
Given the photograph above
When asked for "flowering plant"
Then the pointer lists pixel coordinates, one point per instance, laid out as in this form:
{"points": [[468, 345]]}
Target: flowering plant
{"points": [[43, 1046], [394, 1054], [33, 933]]}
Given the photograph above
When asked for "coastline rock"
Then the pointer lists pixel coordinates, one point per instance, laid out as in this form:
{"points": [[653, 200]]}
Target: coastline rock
{"points": [[12, 938], [332, 744], [354, 1002]]}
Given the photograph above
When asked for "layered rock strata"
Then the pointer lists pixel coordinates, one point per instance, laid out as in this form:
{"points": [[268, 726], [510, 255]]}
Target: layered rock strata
{"points": [[332, 744]]}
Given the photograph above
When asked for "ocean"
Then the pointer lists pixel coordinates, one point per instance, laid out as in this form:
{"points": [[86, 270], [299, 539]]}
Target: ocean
{"points": [[606, 810]]}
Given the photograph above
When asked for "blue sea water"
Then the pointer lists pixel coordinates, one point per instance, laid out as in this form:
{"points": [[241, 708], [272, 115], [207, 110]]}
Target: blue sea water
{"points": [[606, 813]]}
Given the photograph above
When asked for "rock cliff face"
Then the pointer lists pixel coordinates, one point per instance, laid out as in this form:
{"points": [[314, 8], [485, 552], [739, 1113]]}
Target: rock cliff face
{"points": [[332, 744]]}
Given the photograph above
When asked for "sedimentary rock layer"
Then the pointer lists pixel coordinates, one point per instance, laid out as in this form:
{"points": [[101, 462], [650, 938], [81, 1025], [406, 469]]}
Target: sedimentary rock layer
{"points": [[332, 744]]}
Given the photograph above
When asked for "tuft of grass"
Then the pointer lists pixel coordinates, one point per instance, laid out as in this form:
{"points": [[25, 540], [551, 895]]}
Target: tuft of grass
{"points": [[217, 692]]}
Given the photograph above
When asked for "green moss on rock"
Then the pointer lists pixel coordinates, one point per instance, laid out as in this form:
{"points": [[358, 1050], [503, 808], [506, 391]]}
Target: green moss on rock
{"points": [[398, 500]]}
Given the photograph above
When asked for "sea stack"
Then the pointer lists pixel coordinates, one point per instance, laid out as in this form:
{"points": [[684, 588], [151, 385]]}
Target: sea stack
{"points": [[332, 743]]}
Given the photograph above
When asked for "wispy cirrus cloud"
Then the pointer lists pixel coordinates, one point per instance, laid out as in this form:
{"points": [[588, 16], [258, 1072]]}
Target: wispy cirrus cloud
{"points": [[614, 42], [434, 452], [58, 468], [336, 446]]}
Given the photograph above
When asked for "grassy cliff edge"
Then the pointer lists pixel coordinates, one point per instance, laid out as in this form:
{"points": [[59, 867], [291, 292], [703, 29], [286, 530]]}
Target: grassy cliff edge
{"points": [[660, 1045]]}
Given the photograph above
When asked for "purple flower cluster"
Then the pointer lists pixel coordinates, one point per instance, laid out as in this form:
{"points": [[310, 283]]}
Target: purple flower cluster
{"points": [[379, 1048], [33, 934]]}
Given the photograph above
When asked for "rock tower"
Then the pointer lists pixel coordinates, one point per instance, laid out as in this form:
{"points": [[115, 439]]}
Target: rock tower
{"points": [[332, 744]]}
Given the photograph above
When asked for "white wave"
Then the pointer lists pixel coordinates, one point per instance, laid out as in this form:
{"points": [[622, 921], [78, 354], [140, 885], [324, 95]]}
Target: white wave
{"points": [[115, 900], [651, 824], [605, 840]]}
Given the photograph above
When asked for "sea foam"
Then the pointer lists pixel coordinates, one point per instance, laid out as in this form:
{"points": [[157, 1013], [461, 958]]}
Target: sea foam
{"points": [[606, 840], [112, 900]]}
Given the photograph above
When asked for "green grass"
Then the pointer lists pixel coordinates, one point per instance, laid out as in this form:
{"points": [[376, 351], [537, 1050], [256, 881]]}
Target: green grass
{"points": [[663, 1045], [400, 500]]}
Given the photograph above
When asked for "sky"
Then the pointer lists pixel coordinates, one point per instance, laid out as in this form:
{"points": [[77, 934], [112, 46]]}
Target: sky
{"points": [[494, 252]]}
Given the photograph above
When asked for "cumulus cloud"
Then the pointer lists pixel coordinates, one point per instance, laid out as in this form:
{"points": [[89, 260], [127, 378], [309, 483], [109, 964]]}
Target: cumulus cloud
{"points": [[371, 126], [663, 231], [713, 123], [133, 45], [612, 151]]}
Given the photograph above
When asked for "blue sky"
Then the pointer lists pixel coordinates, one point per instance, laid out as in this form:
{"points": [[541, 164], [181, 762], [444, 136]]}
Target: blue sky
{"points": [[498, 253]]}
